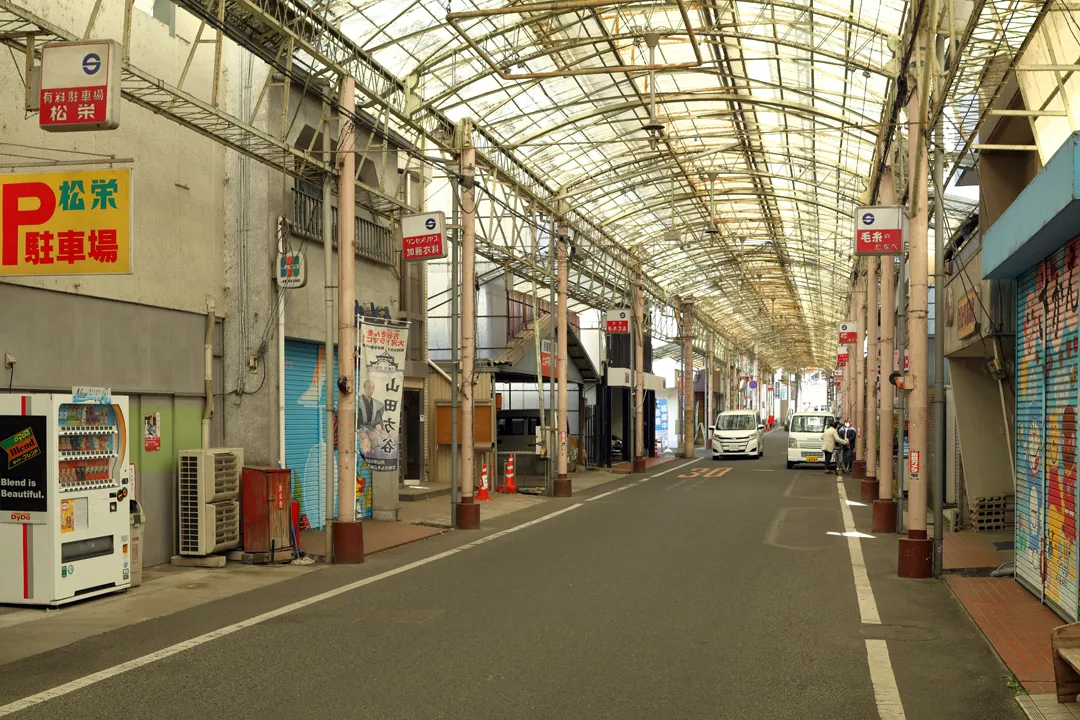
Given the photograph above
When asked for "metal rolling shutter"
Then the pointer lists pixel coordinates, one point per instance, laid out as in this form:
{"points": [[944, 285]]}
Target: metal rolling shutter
{"points": [[1059, 458], [305, 445], [1029, 423]]}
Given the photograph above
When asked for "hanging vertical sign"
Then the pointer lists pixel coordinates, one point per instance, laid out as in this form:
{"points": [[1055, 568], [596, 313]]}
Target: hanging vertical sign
{"points": [[879, 230], [545, 358], [618, 321], [848, 333], [80, 86], [380, 378], [423, 237], [842, 357]]}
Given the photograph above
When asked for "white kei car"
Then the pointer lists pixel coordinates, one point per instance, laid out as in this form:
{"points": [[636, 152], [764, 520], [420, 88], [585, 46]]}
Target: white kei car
{"points": [[738, 432]]}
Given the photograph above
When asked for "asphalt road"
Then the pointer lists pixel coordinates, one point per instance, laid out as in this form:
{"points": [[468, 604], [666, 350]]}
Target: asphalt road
{"points": [[698, 594]]}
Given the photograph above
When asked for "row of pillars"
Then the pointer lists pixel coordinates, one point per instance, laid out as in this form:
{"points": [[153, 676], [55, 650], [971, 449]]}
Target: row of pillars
{"points": [[870, 402]]}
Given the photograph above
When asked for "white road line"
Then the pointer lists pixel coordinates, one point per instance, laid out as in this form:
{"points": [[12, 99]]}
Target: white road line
{"points": [[691, 486], [88, 680], [644, 479], [886, 694], [867, 605], [882, 677]]}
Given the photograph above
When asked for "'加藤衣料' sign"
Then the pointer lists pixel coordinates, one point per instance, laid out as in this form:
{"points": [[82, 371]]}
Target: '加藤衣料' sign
{"points": [[879, 230], [423, 237], [69, 223]]}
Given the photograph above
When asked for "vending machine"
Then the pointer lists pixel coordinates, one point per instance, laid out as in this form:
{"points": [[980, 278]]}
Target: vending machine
{"points": [[65, 485]]}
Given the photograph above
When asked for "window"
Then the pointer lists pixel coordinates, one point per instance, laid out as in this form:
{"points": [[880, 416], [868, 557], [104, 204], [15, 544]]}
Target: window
{"points": [[808, 423], [741, 421]]}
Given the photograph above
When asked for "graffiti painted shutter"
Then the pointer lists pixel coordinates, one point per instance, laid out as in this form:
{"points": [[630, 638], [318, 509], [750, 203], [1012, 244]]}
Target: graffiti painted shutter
{"points": [[305, 444], [1059, 458], [1029, 419]]}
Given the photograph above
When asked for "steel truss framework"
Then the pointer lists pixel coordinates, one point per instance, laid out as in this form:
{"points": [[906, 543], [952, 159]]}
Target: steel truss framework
{"points": [[737, 189]]}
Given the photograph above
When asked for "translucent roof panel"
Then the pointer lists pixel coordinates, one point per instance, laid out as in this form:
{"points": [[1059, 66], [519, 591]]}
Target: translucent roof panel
{"points": [[725, 143]]}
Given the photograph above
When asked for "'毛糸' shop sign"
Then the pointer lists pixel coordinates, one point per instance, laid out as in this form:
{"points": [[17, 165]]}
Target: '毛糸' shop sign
{"points": [[24, 496], [66, 223]]}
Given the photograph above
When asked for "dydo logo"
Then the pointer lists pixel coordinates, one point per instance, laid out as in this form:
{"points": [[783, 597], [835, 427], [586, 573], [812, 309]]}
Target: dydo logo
{"points": [[20, 517]]}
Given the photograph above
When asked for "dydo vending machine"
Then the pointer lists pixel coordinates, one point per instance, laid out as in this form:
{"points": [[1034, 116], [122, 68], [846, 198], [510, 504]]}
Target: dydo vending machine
{"points": [[64, 496]]}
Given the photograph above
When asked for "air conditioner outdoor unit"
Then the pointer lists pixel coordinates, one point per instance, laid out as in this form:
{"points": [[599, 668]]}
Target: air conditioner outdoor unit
{"points": [[209, 503]]}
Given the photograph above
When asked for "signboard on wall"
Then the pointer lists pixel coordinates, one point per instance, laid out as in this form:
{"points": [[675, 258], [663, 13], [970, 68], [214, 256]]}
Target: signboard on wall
{"points": [[879, 230], [24, 493], [66, 223], [423, 237], [618, 321], [80, 86], [842, 357], [292, 270], [966, 322]]}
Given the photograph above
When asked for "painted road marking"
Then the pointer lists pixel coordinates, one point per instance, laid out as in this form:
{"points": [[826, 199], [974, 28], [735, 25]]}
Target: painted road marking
{"points": [[707, 472], [108, 673], [882, 676], [644, 479]]}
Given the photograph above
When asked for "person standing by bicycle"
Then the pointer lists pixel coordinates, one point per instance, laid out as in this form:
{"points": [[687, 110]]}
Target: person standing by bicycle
{"points": [[829, 441]]}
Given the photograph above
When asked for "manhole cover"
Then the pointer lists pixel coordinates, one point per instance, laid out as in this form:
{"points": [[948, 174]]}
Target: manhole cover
{"points": [[898, 632]]}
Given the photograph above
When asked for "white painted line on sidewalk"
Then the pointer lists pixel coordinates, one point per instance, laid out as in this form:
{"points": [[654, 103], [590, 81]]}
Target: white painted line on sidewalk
{"points": [[88, 680], [882, 677], [867, 605], [886, 694]]}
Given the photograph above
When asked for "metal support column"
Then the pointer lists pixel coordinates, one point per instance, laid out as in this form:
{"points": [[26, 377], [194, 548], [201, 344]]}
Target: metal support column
{"points": [[884, 515], [468, 510], [562, 481]]}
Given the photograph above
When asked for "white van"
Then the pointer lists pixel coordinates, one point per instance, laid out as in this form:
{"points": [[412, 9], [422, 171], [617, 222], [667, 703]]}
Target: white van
{"points": [[738, 432], [804, 438]]}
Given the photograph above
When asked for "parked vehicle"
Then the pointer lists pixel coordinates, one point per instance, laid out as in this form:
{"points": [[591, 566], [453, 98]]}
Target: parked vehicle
{"points": [[738, 432], [804, 438]]}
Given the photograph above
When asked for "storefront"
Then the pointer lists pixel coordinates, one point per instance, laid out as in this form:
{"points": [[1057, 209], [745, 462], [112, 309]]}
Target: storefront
{"points": [[1035, 242]]}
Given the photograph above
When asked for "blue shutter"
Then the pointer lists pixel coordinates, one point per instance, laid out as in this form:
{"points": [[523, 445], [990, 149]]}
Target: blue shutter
{"points": [[1059, 457], [305, 444], [1029, 430]]}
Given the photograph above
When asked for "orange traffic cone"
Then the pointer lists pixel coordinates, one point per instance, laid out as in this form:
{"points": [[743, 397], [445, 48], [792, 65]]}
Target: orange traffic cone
{"points": [[511, 487], [482, 493]]}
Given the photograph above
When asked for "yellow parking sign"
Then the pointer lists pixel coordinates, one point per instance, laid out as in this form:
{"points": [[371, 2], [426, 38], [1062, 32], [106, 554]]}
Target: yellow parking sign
{"points": [[66, 223]]}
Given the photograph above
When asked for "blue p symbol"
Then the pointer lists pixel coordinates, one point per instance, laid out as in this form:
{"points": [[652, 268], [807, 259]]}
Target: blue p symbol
{"points": [[91, 63]]}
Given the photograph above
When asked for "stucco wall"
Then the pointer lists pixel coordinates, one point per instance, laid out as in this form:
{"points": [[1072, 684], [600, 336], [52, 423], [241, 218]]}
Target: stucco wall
{"points": [[178, 175]]}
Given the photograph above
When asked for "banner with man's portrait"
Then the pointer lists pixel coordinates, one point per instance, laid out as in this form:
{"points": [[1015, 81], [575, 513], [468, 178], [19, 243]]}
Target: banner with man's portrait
{"points": [[380, 373]]}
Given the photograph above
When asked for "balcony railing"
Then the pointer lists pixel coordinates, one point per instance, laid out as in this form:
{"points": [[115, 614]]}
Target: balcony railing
{"points": [[373, 242]]}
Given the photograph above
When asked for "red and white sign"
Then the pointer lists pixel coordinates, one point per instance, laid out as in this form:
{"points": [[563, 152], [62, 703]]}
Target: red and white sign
{"points": [[836, 382], [842, 357], [879, 230], [848, 333], [423, 237], [838, 374], [80, 86], [896, 360], [913, 462], [545, 358], [618, 321]]}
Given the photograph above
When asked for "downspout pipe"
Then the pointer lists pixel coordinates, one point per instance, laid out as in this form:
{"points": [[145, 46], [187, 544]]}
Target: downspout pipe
{"points": [[208, 373]]}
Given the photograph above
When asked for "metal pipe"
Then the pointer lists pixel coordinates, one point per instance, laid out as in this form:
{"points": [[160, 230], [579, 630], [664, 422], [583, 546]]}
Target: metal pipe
{"points": [[281, 353], [901, 397], [872, 265], [208, 374], [687, 305], [346, 510], [468, 315], [638, 339], [940, 237], [887, 196], [549, 422], [917, 311], [859, 372], [328, 301], [455, 369], [562, 482]]}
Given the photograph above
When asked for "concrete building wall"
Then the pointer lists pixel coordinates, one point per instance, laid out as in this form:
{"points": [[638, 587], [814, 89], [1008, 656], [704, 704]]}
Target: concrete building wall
{"points": [[178, 176]]}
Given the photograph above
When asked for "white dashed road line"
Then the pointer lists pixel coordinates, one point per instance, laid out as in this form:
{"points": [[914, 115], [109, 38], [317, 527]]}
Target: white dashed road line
{"points": [[882, 676]]}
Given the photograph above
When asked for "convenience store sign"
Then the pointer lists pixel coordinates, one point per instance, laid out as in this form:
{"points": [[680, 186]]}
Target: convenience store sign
{"points": [[69, 223]]}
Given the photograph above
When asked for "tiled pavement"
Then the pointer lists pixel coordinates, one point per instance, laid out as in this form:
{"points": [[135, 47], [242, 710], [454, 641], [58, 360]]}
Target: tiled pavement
{"points": [[1016, 624], [968, 550]]}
